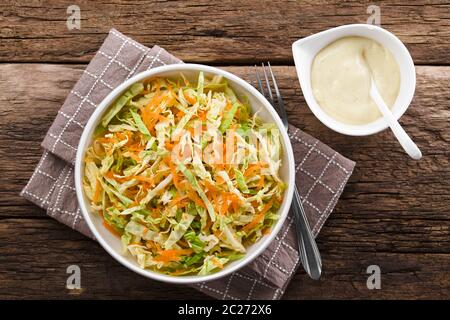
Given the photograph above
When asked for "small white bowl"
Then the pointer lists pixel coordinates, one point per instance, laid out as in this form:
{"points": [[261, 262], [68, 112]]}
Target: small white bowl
{"points": [[257, 101], [304, 51]]}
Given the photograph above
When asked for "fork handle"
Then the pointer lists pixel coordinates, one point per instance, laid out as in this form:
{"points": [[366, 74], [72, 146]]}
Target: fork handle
{"points": [[309, 253]]}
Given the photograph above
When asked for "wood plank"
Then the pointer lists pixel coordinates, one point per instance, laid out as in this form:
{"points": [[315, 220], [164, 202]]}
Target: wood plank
{"points": [[29, 102], [394, 212], [403, 276], [379, 157], [214, 32], [34, 264]]}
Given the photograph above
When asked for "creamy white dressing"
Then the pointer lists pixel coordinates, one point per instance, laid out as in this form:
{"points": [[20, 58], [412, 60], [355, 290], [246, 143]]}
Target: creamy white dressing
{"points": [[341, 78]]}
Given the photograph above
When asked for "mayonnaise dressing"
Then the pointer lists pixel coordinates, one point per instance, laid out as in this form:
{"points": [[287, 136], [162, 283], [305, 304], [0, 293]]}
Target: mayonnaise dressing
{"points": [[341, 79]]}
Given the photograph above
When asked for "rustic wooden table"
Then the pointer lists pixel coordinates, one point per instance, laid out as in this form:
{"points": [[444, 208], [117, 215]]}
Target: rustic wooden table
{"points": [[394, 212]]}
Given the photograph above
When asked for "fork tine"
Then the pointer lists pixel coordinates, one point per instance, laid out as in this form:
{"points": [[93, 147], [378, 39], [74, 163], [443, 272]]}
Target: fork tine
{"points": [[269, 89], [279, 98], [258, 79]]}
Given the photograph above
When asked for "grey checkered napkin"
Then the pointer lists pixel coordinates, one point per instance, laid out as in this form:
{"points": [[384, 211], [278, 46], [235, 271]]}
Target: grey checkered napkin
{"points": [[320, 171]]}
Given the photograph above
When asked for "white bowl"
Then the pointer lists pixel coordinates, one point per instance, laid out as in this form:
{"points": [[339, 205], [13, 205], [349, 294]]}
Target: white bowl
{"points": [[304, 51], [257, 101]]}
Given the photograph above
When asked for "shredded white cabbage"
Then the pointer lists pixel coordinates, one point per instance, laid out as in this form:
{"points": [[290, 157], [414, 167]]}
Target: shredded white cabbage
{"points": [[183, 203]]}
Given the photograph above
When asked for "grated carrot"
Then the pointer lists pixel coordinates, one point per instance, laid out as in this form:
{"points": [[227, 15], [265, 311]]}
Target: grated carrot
{"points": [[111, 229], [172, 255], [258, 218], [190, 99], [194, 197]]}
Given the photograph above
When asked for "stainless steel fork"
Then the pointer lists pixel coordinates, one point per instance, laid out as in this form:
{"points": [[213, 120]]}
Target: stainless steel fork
{"points": [[309, 253]]}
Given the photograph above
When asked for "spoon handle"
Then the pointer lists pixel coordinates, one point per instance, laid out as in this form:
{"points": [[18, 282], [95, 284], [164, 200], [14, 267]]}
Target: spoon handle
{"points": [[405, 141]]}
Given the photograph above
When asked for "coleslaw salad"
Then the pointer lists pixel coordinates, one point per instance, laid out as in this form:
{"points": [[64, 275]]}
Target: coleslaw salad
{"points": [[183, 216]]}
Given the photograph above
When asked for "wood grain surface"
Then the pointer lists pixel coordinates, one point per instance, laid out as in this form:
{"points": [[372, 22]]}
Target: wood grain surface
{"points": [[213, 32], [395, 212]]}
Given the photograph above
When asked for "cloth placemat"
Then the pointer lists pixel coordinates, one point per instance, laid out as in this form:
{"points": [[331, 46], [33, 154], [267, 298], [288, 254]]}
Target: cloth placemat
{"points": [[321, 172]]}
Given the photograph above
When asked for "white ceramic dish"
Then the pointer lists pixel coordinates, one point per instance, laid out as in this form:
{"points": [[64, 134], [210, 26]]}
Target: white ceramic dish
{"points": [[304, 51], [111, 243]]}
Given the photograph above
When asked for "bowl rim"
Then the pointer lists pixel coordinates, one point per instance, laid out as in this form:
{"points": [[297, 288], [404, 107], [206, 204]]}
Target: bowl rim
{"points": [[408, 77], [86, 137]]}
